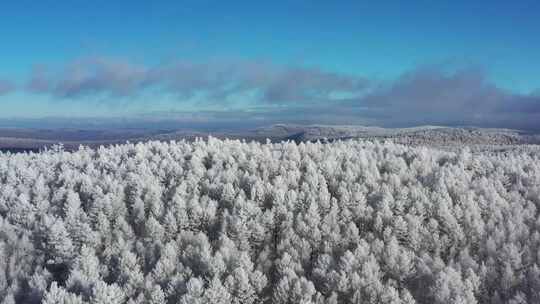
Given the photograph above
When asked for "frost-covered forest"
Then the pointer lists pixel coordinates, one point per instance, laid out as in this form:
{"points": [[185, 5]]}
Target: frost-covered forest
{"points": [[233, 222]]}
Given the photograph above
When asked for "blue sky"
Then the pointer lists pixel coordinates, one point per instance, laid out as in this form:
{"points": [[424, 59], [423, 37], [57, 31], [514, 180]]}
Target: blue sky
{"points": [[353, 61]]}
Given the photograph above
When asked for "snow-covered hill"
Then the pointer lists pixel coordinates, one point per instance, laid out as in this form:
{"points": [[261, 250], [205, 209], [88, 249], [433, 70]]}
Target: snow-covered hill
{"points": [[434, 136], [431, 136]]}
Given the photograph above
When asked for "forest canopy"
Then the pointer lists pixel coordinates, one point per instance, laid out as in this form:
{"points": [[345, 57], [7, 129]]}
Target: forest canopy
{"points": [[223, 221]]}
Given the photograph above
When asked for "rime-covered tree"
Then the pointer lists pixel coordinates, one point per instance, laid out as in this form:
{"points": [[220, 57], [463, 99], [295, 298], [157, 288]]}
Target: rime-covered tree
{"points": [[227, 221]]}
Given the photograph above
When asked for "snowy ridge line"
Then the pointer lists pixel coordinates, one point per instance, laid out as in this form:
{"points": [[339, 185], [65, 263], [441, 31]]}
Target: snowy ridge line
{"points": [[35, 140]]}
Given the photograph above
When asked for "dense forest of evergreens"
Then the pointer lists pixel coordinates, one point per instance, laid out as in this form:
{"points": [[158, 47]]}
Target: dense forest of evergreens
{"points": [[233, 222]]}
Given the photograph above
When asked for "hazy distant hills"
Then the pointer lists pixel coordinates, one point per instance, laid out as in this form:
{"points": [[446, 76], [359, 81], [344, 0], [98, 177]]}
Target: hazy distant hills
{"points": [[442, 137], [20, 139], [17, 139]]}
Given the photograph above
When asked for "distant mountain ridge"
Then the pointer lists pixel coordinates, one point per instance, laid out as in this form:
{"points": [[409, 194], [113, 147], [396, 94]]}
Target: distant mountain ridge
{"points": [[433, 134], [35, 139]]}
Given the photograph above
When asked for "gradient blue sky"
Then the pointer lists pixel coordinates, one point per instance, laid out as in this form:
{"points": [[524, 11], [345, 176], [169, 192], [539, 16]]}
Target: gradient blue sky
{"points": [[277, 61]]}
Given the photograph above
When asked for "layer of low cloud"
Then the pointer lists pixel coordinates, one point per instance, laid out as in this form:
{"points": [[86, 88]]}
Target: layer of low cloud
{"points": [[432, 95], [277, 93], [217, 81], [6, 87]]}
